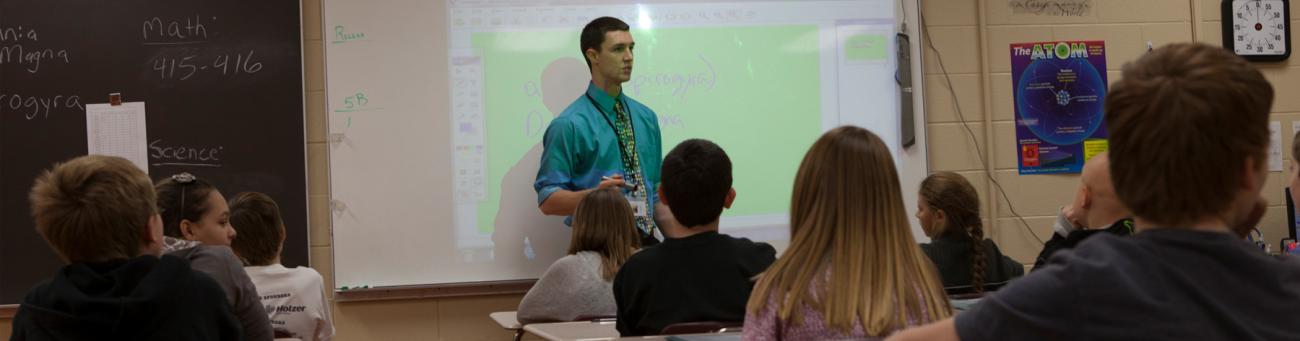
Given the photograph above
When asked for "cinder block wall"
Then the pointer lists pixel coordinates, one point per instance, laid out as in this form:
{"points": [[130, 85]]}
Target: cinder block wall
{"points": [[972, 39]]}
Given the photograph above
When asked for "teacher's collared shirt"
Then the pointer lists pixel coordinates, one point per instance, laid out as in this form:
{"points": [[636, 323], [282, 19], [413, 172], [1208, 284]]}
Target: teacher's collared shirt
{"points": [[580, 145]]}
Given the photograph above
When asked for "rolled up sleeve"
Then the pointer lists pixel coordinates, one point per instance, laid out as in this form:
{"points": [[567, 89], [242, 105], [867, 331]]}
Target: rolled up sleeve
{"points": [[555, 171]]}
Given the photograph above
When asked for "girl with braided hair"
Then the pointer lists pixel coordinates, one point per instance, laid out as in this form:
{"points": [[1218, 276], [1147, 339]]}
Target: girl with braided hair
{"points": [[949, 211]]}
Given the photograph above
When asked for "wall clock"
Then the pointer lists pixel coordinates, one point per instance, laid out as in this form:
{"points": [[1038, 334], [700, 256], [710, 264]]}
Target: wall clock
{"points": [[1258, 30]]}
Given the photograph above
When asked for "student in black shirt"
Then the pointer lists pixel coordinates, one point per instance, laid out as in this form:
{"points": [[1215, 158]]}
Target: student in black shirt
{"points": [[1188, 145], [1096, 209], [696, 274], [99, 214], [949, 211]]}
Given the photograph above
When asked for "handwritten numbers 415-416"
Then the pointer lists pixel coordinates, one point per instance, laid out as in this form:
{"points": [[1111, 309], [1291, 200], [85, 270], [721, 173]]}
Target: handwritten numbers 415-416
{"points": [[184, 68]]}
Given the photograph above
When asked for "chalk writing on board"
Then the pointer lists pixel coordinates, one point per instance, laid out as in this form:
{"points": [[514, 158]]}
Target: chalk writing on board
{"points": [[31, 58], [183, 68], [341, 35], [1059, 8], [17, 34], [178, 155], [189, 30], [679, 83], [31, 107]]}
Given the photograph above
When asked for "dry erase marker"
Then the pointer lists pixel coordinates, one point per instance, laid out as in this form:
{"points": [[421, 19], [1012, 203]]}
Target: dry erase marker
{"points": [[625, 185]]}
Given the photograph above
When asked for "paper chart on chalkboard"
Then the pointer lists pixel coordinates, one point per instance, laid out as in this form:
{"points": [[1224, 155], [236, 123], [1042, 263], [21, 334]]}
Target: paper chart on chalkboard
{"points": [[117, 130]]}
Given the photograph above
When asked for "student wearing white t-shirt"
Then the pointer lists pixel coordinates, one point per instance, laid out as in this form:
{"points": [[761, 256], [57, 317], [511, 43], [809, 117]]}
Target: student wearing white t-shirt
{"points": [[294, 298]]}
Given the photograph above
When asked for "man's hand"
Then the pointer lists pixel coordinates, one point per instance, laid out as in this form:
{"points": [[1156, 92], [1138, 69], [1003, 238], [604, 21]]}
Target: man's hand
{"points": [[611, 181]]}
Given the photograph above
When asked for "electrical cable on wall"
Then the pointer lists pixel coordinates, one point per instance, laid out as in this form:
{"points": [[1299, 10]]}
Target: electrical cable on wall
{"points": [[979, 153]]}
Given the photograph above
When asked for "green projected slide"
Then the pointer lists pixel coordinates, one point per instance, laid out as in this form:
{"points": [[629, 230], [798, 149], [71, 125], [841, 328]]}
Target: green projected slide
{"points": [[754, 90]]}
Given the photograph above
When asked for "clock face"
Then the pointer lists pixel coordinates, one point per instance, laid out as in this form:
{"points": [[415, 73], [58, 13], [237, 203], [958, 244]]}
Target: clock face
{"points": [[1259, 27]]}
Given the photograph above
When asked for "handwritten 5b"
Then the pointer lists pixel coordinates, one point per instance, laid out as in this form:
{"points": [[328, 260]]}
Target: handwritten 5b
{"points": [[188, 66]]}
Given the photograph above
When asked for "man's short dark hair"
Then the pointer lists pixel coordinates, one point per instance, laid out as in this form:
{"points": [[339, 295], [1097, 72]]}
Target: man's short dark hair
{"points": [[594, 34], [696, 178]]}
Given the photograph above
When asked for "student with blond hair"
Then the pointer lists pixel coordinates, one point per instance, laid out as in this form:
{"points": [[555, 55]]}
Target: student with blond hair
{"points": [[294, 297], [1188, 151], [852, 269], [949, 211], [99, 214], [581, 284]]}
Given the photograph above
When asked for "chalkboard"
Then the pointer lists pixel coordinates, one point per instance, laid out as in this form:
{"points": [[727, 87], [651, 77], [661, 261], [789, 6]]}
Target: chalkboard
{"points": [[222, 83]]}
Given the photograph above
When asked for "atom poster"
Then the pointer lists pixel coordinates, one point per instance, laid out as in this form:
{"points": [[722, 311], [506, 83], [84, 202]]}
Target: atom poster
{"points": [[1059, 88]]}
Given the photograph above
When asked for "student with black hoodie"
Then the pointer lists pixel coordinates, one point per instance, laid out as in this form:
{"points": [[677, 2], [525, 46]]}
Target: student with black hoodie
{"points": [[99, 214]]}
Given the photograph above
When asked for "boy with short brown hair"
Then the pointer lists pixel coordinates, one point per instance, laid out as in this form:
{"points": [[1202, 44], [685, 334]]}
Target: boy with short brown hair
{"points": [[99, 214]]}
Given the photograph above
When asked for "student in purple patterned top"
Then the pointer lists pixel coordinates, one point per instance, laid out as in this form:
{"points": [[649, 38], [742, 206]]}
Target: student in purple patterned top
{"points": [[853, 269]]}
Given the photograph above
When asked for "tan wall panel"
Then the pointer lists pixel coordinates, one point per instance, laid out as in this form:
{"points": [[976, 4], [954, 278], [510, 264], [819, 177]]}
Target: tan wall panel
{"points": [[1002, 98], [1166, 33], [319, 210], [314, 64], [323, 261], [1209, 9], [1036, 195], [939, 106], [951, 149], [1286, 83], [1128, 11], [1005, 149], [950, 12], [1210, 33], [388, 320], [958, 45], [311, 17], [1018, 243], [318, 182], [316, 117]]}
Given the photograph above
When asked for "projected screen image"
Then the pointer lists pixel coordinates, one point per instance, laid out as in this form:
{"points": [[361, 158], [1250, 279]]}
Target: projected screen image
{"points": [[762, 79]]}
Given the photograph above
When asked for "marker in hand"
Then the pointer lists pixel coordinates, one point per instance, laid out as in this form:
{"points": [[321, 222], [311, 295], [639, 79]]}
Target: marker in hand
{"points": [[624, 184]]}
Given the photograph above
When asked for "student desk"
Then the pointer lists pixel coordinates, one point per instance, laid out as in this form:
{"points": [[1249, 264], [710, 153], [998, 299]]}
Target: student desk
{"points": [[594, 331], [508, 320], [582, 330], [709, 337]]}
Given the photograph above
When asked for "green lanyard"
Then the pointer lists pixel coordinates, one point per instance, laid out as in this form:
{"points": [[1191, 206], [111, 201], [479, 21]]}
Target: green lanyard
{"points": [[622, 147]]}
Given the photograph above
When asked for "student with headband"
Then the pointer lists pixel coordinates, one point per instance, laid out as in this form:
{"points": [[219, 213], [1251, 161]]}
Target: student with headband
{"points": [[196, 222]]}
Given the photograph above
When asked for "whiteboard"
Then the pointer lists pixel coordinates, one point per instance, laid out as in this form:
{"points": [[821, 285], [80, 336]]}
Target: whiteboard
{"points": [[437, 109]]}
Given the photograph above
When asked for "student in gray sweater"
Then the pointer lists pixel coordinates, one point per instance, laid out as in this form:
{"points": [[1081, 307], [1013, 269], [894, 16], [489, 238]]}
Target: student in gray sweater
{"points": [[196, 222], [581, 284]]}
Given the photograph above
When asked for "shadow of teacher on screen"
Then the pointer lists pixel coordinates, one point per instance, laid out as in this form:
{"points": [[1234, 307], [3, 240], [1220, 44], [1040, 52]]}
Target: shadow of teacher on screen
{"points": [[518, 218]]}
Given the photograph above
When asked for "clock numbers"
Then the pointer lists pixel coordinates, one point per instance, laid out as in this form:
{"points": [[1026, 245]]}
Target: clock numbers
{"points": [[1258, 27]]}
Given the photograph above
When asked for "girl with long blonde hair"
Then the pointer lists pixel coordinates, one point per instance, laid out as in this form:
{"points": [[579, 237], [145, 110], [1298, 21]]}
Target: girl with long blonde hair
{"points": [[581, 284], [852, 269]]}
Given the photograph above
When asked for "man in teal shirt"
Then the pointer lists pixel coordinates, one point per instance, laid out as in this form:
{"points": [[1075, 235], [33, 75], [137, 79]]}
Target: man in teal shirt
{"points": [[605, 138]]}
